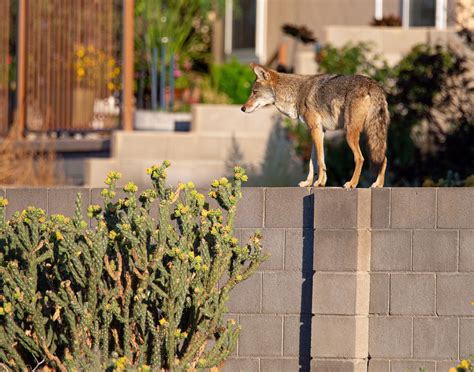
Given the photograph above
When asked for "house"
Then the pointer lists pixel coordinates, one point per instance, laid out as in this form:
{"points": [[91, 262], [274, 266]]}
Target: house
{"points": [[255, 33]]}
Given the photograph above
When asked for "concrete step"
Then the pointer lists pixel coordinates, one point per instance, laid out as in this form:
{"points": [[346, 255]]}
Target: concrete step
{"points": [[188, 146], [230, 119], [201, 172]]}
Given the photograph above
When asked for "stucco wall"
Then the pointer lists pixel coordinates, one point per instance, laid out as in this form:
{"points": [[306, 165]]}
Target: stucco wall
{"points": [[358, 280]]}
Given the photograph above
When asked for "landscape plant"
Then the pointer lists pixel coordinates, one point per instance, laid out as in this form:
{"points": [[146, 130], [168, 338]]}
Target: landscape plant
{"points": [[145, 288]]}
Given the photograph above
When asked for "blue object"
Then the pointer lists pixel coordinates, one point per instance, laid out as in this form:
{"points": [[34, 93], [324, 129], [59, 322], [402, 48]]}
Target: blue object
{"points": [[154, 79], [163, 78]]}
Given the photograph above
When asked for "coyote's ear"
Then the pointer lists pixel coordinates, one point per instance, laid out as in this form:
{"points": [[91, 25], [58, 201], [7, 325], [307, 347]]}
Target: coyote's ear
{"points": [[260, 71]]}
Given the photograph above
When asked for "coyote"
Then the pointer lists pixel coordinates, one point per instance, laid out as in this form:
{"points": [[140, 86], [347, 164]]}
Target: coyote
{"points": [[354, 103]]}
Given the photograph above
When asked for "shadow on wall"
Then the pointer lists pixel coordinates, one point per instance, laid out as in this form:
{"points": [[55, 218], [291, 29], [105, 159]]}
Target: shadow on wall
{"points": [[307, 284], [280, 166]]}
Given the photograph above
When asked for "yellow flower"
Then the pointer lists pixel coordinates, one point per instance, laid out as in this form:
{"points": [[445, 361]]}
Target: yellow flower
{"points": [[59, 236], [452, 369], [464, 364], [3, 202], [80, 52], [110, 86], [162, 321], [81, 72], [111, 62]]}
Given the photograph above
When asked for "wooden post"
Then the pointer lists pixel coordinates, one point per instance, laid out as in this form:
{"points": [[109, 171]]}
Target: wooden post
{"points": [[22, 49], [128, 65]]}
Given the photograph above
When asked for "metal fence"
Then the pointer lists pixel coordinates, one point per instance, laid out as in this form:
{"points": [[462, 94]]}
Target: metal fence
{"points": [[73, 68]]}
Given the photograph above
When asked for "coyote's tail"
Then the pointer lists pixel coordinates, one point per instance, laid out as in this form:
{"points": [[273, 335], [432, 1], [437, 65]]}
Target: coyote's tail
{"points": [[376, 127]]}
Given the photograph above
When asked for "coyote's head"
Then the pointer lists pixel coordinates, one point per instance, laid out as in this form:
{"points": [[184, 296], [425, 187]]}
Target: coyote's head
{"points": [[262, 91]]}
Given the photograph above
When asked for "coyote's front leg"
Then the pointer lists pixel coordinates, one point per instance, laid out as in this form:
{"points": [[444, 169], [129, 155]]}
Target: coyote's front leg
{"points": [[309, 180], [317, 135]]}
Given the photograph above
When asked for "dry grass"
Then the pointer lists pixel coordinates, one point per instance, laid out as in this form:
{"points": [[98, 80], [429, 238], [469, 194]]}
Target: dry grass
{"points": [[23, 162]]}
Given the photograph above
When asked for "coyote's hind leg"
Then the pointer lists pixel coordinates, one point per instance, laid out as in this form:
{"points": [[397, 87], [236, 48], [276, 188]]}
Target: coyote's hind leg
{"points": [[381, 176]]}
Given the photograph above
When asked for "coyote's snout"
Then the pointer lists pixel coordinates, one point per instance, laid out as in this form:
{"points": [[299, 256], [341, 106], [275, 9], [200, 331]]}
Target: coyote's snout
{"points": [[326, 102]]}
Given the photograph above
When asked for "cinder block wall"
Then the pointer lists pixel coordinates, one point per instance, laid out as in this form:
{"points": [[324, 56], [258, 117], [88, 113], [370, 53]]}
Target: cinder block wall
{"points": [[422, 278], [358, 280]]}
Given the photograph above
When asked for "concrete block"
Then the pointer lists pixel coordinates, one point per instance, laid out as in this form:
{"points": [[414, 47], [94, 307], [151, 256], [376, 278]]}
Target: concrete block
{"points": [[282, 365], [379, 365], [391, 250], [435, 338], [241, 365], [454, 294], [261, 335], [286, 293], [381, 208], [63, 200], [412, 294], [341, 209], [341, 250], [299, 250], [435, 250], [466, 250], [412, 366], [250, 208], [288, 207], [273, 244], [466, 339], [179, 146], [338, 365], [246, 296], [19, 199], [341, 293], [413, 207], [297, 335], [339, 336], [212, 118], [456, 207], [379, 293], [390, 337]]}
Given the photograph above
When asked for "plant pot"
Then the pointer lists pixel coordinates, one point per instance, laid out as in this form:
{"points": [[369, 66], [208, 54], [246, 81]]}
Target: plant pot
{"points": [[82, 107]]}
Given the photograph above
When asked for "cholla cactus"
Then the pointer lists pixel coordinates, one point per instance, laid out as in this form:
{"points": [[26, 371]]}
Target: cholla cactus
{"points": [[138, 291]]}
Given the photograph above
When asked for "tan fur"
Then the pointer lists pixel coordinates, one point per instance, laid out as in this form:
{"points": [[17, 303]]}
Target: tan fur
{"points": [[327, 102]]}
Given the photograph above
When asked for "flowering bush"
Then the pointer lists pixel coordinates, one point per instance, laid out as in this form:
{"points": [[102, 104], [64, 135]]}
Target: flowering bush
{"points": [[144, 289], [92, 65], [464, 366]]}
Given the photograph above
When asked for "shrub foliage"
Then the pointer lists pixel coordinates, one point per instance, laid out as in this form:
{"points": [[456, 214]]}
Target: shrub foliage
{"points": [[146, 287]]}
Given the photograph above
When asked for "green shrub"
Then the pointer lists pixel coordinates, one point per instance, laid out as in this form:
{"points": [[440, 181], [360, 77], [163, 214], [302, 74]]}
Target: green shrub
{"points": [[353, 59], [146, 288], [233, 79]]}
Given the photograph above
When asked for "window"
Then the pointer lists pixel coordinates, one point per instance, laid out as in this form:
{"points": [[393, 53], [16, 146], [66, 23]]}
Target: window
{"points": [[422, 13], [245, 25]]}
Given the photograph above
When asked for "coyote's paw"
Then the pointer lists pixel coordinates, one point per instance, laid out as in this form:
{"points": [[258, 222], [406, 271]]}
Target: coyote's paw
{"points": [[306, 183], [349, 185], [321, 181], [376, 185]]}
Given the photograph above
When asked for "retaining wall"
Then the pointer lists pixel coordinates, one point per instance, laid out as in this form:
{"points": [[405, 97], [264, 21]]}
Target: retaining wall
{"points": [[358, 280]]}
